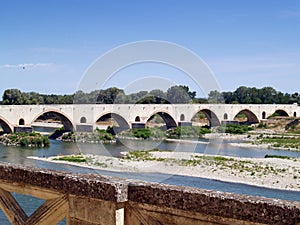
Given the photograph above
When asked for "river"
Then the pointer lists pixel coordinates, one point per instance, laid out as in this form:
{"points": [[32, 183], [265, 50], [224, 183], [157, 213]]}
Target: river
{"points": [[19, 155]]}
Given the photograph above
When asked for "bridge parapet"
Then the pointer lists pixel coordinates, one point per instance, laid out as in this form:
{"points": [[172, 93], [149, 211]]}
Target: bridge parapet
{"points": [[93, 199]]}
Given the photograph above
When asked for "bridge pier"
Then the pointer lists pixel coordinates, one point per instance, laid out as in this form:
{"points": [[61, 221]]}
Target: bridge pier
{"points": [[84, 128], [138, 125], [25, 129], [184, 124]]}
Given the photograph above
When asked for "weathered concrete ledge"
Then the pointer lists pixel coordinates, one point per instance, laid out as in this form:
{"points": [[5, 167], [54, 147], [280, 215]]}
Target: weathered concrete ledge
{"points": [[86, 185], [148, 203], [241, 207]]}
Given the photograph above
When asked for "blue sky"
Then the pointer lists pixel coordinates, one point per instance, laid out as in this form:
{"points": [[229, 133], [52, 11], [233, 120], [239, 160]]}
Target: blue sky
{"points": [[251, 42]]}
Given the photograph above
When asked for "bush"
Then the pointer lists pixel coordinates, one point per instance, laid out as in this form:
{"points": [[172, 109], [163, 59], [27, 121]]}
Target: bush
{"points": [[103, 135], [278, 156], [27, 139], [72, 158], [262, 125], [24, 142], [188, 131], [33, 134], [237, 129], [46, 141], [141, 132]]}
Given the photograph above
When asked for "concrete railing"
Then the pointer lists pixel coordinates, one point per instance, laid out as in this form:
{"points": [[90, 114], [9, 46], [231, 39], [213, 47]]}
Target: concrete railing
{"points": [[94, 199]]}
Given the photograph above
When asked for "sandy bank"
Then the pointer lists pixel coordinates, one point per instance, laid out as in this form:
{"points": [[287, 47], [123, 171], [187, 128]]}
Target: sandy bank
{"points": [[270, 172]]}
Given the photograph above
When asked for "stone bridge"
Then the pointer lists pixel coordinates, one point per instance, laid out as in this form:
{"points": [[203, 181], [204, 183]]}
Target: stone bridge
{"points": [[84, 117], [90, 199]]}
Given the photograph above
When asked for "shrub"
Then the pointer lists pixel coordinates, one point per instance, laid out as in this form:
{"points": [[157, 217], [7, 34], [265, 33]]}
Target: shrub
{"points": [[24, 142], [141, 133], [277, 156], [46, 141], [72, 158], [188, 131], [237, 129], [262, 125]]}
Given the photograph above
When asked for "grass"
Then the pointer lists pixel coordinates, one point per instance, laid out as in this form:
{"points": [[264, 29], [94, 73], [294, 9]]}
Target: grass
{"points": [[72, 158], [234, 129], [277, 156], [215, 163], [284, 141], [218, 162]]}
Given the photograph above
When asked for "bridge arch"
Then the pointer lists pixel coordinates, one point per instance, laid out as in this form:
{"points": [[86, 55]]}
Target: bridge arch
{"points": [[168, 119], [211, 117], [281, 112], [65, 120], [123, 124], [5, 126], [251, 117]]}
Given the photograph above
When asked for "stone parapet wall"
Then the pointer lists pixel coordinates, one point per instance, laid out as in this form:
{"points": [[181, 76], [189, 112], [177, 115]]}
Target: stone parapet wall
{"points": [[94, 199], [87, 185], [216, 204]]}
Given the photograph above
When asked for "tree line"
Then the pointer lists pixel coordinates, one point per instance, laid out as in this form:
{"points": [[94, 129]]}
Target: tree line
{"points": [[176, 95], [252, 95], [113, 95]]}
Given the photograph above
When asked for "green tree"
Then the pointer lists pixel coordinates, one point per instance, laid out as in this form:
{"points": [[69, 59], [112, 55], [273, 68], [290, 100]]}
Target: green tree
{"points": [[215, 97], [177, 94], [109, 95], [12, 97], [192, 94]]}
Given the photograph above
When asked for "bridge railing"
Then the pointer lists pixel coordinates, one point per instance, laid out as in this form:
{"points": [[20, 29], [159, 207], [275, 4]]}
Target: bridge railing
{"points": [[93, 199]]}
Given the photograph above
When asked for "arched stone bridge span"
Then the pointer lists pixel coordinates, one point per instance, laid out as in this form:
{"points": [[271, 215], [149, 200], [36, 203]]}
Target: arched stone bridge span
{"points": [[84, 117]]}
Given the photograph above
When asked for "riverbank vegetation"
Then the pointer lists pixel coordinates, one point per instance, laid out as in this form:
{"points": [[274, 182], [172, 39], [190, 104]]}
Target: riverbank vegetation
{"points": [[234, 129], [155, 133], [25, 140], [279, 141], [150, 133], [230, 164], [278, 156], [98, 136], [187, 132], [72, 158]]}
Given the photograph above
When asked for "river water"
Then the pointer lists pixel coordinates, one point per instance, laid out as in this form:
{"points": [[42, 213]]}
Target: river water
{"points": [[18, 155]]}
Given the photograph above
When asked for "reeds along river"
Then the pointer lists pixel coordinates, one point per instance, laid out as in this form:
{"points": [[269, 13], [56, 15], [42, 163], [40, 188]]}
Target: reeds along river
{"points": [[19, 155]]}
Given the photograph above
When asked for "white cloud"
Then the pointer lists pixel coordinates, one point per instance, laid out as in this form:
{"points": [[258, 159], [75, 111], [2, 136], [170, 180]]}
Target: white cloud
{"points": [[26, 65]]}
